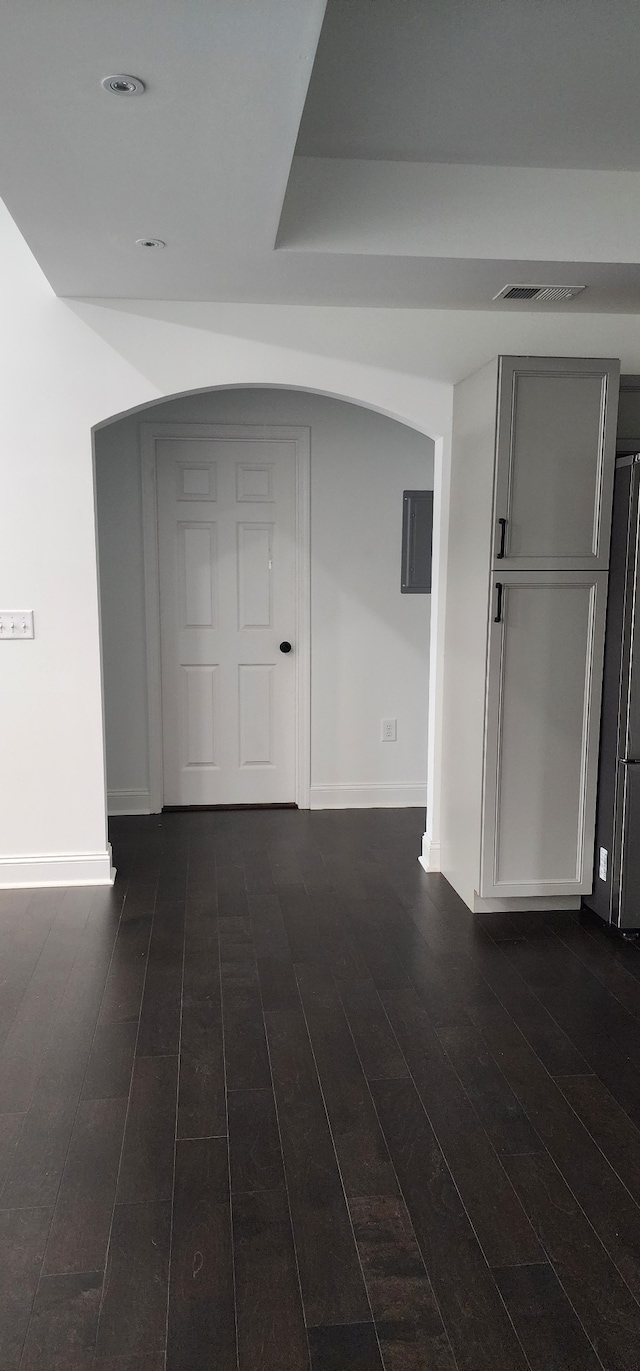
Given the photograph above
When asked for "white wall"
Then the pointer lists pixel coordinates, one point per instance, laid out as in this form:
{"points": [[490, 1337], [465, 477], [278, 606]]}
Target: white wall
{"points": [[66, 366], [370, 643], [400, 361], [57, 378]]}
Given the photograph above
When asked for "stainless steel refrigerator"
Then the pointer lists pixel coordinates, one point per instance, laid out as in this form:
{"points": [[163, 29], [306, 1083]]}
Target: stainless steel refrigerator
{"points": [[616, 884]]}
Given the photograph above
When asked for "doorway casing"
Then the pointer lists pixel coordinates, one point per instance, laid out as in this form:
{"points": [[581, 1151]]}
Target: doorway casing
{"points": [[301, 437]]}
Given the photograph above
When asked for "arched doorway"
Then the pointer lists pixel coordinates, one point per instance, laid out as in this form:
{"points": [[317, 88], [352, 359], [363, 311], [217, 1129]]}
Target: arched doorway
{"points": [[370, 659]]}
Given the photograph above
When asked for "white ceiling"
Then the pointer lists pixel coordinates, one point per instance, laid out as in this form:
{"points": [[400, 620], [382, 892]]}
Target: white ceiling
{"points": [[530, 83], [204, 158], [201, 160]]}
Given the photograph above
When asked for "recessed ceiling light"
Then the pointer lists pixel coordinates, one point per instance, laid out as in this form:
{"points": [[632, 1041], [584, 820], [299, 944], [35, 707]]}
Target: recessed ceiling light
{"points": [[150, 243], [123, 85]]}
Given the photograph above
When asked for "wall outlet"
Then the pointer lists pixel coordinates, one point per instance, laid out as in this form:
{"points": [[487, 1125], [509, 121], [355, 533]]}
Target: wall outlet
{"points": [[16, 623], [602, 864], [389, 730]]}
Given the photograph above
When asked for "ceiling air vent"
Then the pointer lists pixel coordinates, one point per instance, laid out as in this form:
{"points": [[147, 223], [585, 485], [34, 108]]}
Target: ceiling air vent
{"points": [[550, 295]]}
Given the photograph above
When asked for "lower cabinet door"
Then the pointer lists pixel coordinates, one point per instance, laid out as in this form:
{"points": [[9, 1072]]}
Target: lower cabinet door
{"points": [[546, 640]]}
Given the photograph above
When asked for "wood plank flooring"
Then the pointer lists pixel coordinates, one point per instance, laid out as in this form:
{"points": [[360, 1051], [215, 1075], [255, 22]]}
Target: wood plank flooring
{"points": [[278, 1102]]}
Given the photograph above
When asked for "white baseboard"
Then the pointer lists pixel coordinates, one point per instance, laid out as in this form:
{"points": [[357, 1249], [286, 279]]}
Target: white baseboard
{"points": [[370, 796], [429, 858], [64, 868], [128, 802]]}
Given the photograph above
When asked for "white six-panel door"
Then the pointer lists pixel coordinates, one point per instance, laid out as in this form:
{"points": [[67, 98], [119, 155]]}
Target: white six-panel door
{"points": [[227, 591]]}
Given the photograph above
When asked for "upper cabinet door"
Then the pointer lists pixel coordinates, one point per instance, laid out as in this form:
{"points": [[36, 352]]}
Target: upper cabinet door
{"points": [[555, 458]]}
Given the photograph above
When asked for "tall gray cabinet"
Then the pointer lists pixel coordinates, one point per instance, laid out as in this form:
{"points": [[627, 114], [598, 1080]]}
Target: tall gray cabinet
{"points": [[530, 512]]}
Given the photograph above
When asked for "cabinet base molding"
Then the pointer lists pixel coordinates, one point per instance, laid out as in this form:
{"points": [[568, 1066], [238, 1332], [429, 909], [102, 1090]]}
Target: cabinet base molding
{"points": [[514, 904], [524, 905]]}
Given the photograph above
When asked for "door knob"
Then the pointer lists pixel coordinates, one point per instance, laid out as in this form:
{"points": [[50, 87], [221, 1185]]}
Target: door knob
{"points": [[285, 647]]}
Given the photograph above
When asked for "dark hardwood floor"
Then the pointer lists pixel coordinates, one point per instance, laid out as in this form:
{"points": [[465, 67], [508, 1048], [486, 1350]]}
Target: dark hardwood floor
{"points": [[278, 1102]]}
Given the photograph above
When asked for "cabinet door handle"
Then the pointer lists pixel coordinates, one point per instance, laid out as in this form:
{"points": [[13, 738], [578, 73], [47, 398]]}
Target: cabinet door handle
{"points": [[503, 537], [499, 589]]}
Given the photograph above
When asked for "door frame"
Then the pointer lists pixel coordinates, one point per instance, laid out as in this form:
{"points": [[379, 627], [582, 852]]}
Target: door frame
{"points": [[301, 436]]}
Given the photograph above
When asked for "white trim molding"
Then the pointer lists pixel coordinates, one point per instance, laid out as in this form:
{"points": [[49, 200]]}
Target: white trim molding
{"points": [[429, 858], [56, 868], [525, 904], [373, 795], [301, 436], [128, 802]]}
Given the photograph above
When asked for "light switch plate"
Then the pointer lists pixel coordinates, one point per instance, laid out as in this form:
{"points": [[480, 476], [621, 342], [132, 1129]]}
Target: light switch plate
{"points": [[16, 623]]}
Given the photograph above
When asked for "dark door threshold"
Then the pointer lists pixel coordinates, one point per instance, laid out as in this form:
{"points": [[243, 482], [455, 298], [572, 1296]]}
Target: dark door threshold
{"points": [[197, 809]]}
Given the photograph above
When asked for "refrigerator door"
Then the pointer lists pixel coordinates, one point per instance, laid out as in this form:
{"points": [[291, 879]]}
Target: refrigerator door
{"points": [[630, 696], [629, 892], [614, 733]]}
